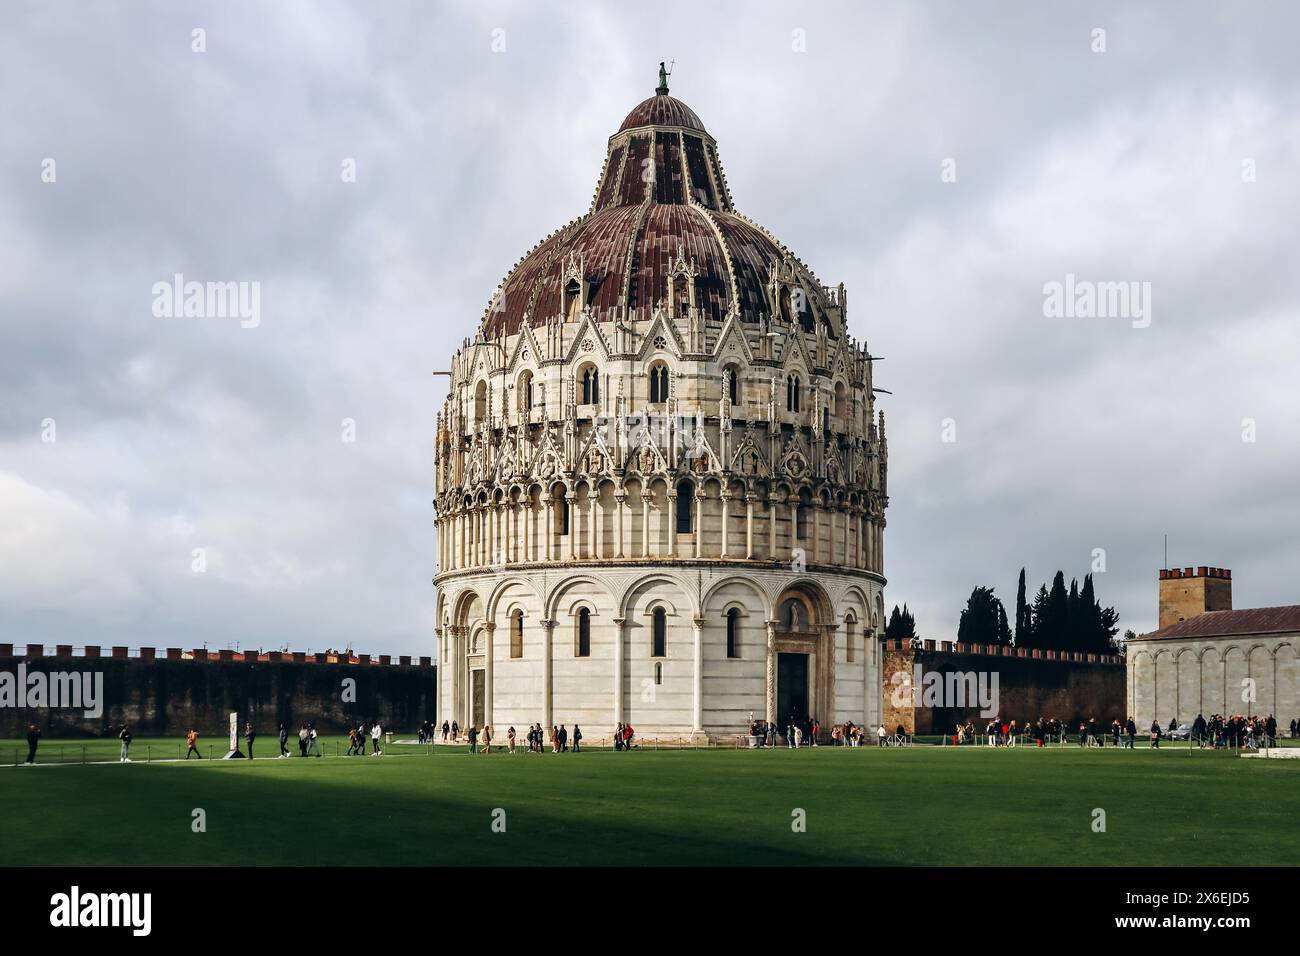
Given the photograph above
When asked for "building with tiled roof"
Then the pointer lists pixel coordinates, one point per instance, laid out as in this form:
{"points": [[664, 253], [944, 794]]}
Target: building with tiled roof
{"points": [[1207, 658], [661, 476]]}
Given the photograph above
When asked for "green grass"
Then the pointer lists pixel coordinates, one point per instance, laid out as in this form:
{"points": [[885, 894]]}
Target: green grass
{"points": [[909, 806]]}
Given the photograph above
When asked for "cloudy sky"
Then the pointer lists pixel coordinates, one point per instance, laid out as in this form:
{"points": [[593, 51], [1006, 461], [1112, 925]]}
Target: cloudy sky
{"points": [[133, 447]]}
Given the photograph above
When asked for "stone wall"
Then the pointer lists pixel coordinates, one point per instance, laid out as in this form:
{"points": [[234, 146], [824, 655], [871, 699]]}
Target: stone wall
{"points": [[166, 695], [1031, 684], [1236, 674]]}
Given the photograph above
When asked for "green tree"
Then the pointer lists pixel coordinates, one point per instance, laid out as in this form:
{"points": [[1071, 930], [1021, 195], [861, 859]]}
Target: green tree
{"points": [[1022, 613], [984, 621], [902, 624]]}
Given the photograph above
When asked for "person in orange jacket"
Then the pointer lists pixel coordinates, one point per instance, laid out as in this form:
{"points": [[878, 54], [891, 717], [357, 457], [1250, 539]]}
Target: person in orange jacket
{"points": [[192, 738]]}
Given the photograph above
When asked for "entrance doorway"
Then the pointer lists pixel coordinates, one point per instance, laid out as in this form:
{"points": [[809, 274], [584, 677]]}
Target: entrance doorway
{"points": [[791, 690], [476, 685]]}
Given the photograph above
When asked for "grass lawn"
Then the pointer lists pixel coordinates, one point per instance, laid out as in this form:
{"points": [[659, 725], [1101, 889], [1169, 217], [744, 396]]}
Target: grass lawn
{"points": [[904, 806]]}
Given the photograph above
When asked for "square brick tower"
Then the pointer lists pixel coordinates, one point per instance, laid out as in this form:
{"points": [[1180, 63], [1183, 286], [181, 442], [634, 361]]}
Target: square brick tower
{"points": [[1188, 592]]}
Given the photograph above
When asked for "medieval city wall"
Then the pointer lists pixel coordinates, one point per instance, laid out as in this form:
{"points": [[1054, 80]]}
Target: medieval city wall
{"points": [[1068, 686], [166, 694]]}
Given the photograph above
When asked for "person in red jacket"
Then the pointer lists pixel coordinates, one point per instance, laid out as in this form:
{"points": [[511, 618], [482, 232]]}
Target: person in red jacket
{"points": [[192, 738]]}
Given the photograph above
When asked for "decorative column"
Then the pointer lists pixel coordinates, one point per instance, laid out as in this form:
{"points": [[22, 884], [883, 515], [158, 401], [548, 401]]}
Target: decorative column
{"points": [[489, 627], [697, 708], [548, 627], [619, 639], [620, 501], [672, 525], [512, 530], [771, 672], [749, 525], [526, 519], [726, 501], [548, 502], [454, 633], [645, 521], [698, 523], [771, 526], [572, 499]]}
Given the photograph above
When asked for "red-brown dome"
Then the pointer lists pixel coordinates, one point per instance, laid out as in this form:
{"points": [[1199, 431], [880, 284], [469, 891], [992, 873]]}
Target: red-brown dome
{"points": [[662, 110], [662, 198]]}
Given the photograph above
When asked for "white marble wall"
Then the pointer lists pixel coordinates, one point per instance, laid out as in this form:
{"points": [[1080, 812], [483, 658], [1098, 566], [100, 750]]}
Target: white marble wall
{"points": [[1214, 675]]}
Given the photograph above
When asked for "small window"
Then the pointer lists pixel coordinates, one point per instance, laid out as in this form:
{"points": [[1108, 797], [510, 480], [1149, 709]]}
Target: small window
{"points": [[590, 386], [584, 633], [517, 634], [733, 633], [849, 628], [659, 634], [564, 515], [733, 385], [659, 674], [480, 401], [792, 393], [659, 383], [526, 391], [801, 521], [573, 296], [685, 503]]}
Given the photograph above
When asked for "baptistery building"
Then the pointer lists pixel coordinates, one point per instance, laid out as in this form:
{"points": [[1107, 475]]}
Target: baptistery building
{"points": [[661, 475]]}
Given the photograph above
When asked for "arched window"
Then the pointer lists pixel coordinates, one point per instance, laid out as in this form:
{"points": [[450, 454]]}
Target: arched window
{"points": [[659, 382], [517, 634], [564, 515], [526, 391], [682, 293], [582, 642], [659, 633], [480, 401], [685, 506], [590, 386], [801, 521], [850, 626], [826, 419], [659, 674], [732, 383], [733, 632], [573, 299], [841, 401], [792, 390]]}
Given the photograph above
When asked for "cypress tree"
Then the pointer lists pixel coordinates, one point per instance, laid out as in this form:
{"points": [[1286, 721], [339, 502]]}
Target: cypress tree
{"points": [[1022, 613]]}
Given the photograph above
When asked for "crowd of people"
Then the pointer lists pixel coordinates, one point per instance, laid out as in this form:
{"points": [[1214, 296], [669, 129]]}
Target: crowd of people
{"points": [[1239, 730]]}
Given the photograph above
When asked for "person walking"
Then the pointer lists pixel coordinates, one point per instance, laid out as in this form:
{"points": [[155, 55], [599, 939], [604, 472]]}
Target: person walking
{"points": [[487, 739], [1131, 731], [473, 739], [249, 736], [510, 740], [577, 739], [1155, 735], [33, 738], [284, 740], [446, 729], [192, 738], [375, 733], [302, 741], [313, 748]]}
